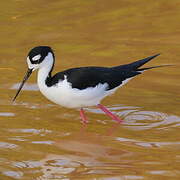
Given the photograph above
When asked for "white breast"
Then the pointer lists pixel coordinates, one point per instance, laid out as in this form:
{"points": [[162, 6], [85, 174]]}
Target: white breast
{"points": [[63, 94]]}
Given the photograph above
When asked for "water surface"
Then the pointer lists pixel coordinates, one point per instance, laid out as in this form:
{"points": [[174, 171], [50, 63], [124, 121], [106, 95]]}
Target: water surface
{"points": [[40, 140]]}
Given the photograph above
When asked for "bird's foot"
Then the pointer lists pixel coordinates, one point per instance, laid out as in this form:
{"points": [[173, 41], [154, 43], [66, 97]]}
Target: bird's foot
{"points": [[110, 114], [83, 117]]}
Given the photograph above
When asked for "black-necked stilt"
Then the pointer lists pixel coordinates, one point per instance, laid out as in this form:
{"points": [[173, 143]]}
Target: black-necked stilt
{"points": [[79, 87]]}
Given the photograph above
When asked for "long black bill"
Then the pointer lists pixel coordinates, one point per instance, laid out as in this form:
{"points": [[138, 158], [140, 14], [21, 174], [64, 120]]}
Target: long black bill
{"points": [[29, 71]]}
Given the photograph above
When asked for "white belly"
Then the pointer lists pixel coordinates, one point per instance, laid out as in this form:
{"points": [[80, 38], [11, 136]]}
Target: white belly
{"points": [[64, 95]]}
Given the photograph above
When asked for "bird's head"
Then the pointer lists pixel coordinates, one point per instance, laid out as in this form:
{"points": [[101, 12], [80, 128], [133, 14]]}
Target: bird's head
{"points": [[37, 58]]}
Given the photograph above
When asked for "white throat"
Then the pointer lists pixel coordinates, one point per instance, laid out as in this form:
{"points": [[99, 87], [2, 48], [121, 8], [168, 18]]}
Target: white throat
{"points": [[44, 69]]}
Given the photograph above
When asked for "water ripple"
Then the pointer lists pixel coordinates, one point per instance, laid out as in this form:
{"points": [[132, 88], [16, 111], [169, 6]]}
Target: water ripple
{"points": [[7, 114], [13, 174], [137, 119], [26, 87], [148, 144], [32, 131], [5, 145]]}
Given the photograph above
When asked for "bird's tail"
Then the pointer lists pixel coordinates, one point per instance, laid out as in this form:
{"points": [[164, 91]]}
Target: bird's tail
{"points": [[135, 65], [152, 67]]}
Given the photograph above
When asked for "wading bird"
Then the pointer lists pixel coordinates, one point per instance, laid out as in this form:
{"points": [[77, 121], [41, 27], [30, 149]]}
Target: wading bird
{"points": [[82, 86]]}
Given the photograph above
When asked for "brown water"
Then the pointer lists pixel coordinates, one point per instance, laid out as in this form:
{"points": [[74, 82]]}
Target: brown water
{"points": [[42, 141]]}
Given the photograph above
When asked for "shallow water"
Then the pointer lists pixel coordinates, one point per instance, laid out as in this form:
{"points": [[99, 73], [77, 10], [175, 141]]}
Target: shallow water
{"points": [[40, 140]]}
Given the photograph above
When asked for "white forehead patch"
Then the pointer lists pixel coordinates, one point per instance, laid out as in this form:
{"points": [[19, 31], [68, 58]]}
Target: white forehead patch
{"points": [[37, 57]]}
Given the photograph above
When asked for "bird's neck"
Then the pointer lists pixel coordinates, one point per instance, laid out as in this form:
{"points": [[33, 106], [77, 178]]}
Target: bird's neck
{"points": [[44, 73]]}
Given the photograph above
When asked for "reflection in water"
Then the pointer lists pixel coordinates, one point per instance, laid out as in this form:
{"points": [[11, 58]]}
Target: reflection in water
{"points": [[60, 147], [109, 154]]}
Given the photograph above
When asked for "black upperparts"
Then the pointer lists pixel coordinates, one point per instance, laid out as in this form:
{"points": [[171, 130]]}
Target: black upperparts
{"points": [[84, 77]]}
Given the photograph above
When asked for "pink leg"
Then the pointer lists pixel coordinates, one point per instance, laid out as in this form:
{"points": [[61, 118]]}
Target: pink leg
{"points": [[83, 117], [110, 114]]}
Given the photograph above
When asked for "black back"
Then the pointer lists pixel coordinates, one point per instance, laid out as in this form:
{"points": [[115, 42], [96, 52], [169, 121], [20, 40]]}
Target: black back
{"points": [[84, 77]]}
